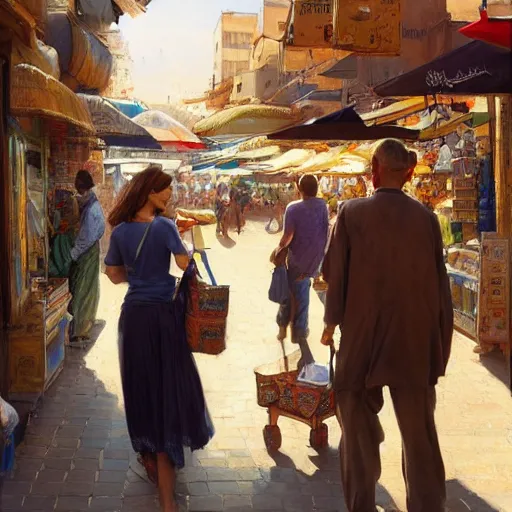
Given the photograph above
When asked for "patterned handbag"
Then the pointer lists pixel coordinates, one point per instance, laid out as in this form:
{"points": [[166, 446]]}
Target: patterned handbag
{"points": [[206, 318]]}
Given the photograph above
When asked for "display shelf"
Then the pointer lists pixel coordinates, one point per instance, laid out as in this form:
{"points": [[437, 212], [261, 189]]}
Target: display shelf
{"points": [[494, 317], [38, 339], [463, 268]]}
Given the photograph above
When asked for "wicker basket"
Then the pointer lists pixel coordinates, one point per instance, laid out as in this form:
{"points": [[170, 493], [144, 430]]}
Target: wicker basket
{"points": [[34, 93], [206, 335]]}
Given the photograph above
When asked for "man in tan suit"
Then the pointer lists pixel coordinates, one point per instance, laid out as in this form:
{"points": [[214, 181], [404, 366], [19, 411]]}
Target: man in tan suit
{"points": [[389, 292]]}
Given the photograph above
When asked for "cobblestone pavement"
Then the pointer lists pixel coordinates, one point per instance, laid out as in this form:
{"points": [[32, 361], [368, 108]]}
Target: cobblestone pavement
{"points": [[77, 456]]}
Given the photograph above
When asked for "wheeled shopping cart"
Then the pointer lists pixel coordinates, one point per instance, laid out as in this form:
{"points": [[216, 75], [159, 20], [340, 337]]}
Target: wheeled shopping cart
{"points": [[281, 393]]}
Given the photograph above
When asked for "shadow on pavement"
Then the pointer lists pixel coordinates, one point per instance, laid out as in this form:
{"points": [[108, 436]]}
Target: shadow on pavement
{"points": [[496, 364], [76, 456], [226, 241], [76, 450], [84, 349], [461, 499], [327, 479], [27, 410]]}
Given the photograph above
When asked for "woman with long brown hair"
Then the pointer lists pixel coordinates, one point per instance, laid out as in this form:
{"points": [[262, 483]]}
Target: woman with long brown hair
{"points": [[164, 401]]}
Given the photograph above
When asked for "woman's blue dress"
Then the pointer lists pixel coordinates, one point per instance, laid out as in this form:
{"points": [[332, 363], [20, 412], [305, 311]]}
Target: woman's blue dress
{"points": [[163, 395]]}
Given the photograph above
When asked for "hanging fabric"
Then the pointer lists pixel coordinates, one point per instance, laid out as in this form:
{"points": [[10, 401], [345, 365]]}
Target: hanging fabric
{"points": [[98, 14]]}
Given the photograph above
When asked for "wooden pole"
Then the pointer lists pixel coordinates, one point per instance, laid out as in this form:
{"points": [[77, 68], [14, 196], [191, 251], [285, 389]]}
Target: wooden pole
{"points": [[500, 172], [500, 111], [344, 93], [506, 165]]}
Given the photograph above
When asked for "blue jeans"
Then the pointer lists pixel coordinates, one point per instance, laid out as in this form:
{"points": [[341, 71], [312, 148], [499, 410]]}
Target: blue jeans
{"points": [[296, 312]]}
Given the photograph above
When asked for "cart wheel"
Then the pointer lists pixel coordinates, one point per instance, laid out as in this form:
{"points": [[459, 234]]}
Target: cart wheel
{"points": [[272, 437], [319, 438]]}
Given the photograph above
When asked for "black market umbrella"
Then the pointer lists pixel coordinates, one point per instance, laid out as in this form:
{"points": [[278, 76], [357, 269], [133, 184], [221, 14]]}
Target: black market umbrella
{"points": [[476, 68], [344, 124]]}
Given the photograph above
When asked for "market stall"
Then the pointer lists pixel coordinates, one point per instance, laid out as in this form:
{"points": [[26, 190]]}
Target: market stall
{"points": [[455, 180], [44, 109], [467, 208]]}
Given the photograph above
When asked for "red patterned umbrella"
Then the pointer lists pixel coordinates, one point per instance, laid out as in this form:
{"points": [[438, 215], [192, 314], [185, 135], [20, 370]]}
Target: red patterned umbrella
{"points": [[496, 31]]}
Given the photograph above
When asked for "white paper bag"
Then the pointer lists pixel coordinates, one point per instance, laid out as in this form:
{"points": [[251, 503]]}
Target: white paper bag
{"points": [[315, 374]]}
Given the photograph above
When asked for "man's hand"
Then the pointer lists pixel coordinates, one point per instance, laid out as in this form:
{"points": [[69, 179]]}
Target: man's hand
{"points": [[328, 335]]}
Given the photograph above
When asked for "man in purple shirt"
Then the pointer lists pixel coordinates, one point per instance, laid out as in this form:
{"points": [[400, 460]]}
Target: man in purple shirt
{"points": [[306, 225]]}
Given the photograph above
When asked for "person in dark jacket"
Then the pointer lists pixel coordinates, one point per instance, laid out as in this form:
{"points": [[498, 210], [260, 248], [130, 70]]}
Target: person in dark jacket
{"points": [[389, 293]]}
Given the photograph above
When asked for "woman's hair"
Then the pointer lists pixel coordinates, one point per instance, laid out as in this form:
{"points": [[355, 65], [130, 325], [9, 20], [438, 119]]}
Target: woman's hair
{"points": [[135, 194]]}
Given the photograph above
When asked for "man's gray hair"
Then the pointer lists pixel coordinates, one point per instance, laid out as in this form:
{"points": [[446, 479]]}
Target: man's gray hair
{"points": [[392, 155]]}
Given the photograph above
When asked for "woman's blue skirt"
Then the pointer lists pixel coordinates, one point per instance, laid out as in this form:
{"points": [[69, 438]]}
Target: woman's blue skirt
{"points": [[163, 395]]}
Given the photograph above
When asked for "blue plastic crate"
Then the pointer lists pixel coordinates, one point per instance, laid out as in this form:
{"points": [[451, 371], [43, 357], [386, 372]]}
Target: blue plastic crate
{"points": [[7, 457]]}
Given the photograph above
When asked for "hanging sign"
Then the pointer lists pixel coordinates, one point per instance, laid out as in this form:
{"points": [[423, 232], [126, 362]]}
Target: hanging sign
{"points": [[369, 27], [493, 314], [312, 24]]}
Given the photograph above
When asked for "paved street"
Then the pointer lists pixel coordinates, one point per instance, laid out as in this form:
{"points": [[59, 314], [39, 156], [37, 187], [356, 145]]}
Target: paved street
{"points": [[77, 454]]}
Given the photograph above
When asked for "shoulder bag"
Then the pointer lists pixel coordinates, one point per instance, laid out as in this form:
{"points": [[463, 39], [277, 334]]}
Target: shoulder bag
{"points": [[139, 248]]}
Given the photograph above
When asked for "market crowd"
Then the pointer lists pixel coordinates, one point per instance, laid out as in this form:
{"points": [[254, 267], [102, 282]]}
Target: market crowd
{"points": [[381, 259], [233, 198], [382, 262]]}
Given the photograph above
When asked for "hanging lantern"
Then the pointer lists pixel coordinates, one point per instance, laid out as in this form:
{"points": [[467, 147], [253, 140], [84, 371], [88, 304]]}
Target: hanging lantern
{"points": [[494, 31]]}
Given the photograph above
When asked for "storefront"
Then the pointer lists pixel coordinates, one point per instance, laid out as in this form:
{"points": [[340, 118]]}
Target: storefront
{"points": [[15, 24], [43, 113], [477, 238], [460, 189]]}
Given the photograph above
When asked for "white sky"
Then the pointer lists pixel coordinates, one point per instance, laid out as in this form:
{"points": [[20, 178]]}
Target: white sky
{"points": [[172, 46]]}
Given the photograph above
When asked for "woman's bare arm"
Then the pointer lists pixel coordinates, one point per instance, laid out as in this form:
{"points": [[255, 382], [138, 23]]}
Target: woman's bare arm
{"points": [[182, 260], [117, 274]]}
